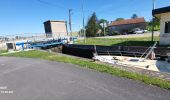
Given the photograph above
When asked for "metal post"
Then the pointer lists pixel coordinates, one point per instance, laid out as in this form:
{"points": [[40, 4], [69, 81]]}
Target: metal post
{"points": [[70, 22], [84, 33], [66, 28], [153, 29], [104, 28], [153, 22]]}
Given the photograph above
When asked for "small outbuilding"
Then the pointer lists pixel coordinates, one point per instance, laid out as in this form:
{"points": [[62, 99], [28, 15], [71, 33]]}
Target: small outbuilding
{"points": [[164, 15], [56, 28]]}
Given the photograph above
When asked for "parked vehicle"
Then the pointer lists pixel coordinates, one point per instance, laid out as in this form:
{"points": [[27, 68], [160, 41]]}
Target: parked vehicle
{"points": [[145, 31], [139, 31]]}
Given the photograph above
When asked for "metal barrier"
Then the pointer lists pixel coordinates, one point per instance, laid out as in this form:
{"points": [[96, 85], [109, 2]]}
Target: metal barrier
{"points": [[132, 51]]}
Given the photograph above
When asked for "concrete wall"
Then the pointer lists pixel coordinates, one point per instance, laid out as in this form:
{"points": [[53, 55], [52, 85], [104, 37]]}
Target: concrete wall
{"points": [[164, 37], [56, 28], [3, 46]]}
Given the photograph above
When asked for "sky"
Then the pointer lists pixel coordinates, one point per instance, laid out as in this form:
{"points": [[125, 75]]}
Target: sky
{"points": [[27, 16]]}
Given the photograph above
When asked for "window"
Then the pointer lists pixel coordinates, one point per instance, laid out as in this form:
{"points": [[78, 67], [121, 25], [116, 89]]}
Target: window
{"points": [[167, 27]]}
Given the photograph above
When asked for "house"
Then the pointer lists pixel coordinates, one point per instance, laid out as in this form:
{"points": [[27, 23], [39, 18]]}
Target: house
{"points": [[55, 28], [164, 15], [127, 25]]}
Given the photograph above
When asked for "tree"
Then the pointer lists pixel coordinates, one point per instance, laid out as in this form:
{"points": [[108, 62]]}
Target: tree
{"points": [[134, 16], [156, 24], [103, 23], [119, 19], [92, 26]]}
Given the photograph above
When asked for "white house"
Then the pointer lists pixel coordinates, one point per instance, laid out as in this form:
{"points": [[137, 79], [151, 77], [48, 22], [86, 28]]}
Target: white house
{"points": [[164, 15]]}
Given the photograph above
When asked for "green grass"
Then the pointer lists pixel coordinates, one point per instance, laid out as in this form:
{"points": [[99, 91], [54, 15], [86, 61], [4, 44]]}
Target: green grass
{"points": [[3, 51], [95, 66], [144, 41]]}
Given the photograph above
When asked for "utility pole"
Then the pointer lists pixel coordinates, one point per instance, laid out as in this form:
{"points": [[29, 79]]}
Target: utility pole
{"points": [[66, 28], [83, 21], [70, 21], [104, 28], [153, 21]]}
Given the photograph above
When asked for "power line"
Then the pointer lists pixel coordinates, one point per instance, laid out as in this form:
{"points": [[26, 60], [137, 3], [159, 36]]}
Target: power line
{"points": [[59, 6], [52, 4]]}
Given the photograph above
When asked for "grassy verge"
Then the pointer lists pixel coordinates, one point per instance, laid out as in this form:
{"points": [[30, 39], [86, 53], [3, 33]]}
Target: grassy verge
{"points": [[92, 65], [144, 41], [3, 51]]}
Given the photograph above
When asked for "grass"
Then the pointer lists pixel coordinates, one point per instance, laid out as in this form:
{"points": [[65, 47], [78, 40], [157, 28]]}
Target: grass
{"points": [[3, 51], [95, 66], [144, 41]]}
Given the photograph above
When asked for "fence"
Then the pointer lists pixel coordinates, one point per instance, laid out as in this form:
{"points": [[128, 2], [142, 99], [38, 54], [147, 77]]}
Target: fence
{"points": [[31, 36], [88, 50], [34, 39]]}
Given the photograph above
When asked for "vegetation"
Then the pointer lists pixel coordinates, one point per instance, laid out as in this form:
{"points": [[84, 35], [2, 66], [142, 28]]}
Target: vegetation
{"points": [[95, 66], [3, 51], [119, 19], [92, 26], [103, 23], [134, 16], [156, 24], [144, 41]]}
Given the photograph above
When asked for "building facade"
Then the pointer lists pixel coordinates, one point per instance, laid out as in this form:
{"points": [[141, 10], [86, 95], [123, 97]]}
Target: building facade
{"points": [[164, 15], [127, 25], [56, 28]]}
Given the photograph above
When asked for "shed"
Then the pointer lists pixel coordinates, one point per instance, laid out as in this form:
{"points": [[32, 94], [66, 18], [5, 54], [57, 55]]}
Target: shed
{"points": [[55, 28]]}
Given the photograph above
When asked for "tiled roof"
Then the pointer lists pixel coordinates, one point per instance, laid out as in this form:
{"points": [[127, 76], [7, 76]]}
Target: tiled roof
{"points": [[128, 21]]}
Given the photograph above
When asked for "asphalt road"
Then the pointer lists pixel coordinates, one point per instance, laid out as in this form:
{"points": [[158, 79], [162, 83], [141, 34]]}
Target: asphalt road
{"points": [[32, 79]]}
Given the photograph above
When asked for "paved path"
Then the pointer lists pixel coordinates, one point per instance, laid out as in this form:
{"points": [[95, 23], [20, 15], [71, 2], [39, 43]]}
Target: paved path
{"points": [[133, 35], [32, 79]]}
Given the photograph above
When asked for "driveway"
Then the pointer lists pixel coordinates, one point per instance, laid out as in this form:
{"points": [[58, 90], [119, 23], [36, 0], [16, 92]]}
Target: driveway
{"points": [[33, 79]]}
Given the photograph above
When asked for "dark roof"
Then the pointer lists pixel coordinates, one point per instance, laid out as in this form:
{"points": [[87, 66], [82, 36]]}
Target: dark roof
{"points": [[128, 21], [161, 10], [55, 21]]}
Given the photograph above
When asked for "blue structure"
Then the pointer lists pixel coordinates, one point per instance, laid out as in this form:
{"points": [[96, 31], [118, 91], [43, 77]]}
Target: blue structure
{"points": [[20, 44], [45, 44]]}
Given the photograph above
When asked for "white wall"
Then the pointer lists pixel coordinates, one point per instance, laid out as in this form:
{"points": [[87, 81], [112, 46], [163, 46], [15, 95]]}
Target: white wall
{"points": [[164, 37], [59, 28], [3, 46]]}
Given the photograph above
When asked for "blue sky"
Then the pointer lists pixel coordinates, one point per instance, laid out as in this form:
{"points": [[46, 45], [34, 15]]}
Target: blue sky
{"points": [[27, 16]]}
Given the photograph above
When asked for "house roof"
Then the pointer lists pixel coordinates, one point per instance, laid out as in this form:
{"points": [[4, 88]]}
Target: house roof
{"points": [[161, 10], [128, 21]]}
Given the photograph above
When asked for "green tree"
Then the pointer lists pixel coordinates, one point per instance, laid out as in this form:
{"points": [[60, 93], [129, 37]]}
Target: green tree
{"points": [[156, 24], [134, 16], [119, 19], [103, 23], [92, 26]]}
